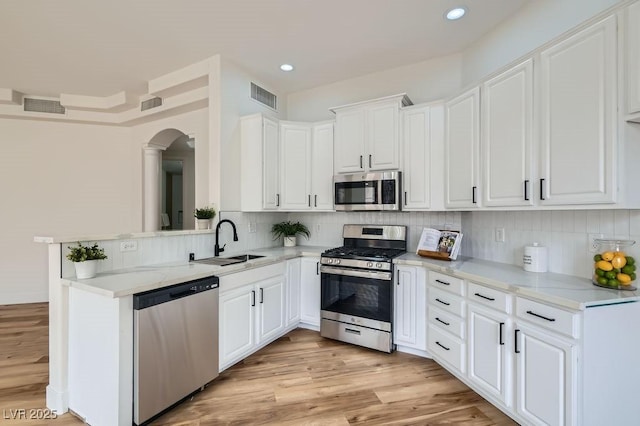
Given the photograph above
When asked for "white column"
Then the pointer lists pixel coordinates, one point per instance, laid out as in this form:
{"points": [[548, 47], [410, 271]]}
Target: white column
{"points": [[151, 185], [58, 388]]}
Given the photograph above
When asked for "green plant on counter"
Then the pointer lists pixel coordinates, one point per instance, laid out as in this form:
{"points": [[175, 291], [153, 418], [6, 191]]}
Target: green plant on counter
{"points": [[289, 229], [204, 213], [82, 253]]}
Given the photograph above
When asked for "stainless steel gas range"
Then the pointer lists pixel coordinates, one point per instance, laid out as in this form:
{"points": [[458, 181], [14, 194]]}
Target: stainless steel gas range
{"points": [[357, 285]]}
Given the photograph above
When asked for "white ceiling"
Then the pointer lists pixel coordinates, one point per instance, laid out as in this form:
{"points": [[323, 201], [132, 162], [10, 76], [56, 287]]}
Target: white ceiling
{"points": [[101, 47]]}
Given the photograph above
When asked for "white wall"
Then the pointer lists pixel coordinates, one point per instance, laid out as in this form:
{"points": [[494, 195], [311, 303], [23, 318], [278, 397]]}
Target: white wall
{"points": [[63, 178], [425, 81], [236, 102], [565, 233], [534, 25]]}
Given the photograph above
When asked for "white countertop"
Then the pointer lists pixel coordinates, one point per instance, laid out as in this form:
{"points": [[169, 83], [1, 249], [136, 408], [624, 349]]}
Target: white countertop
{"points": [[563, 290], [139, 279]]}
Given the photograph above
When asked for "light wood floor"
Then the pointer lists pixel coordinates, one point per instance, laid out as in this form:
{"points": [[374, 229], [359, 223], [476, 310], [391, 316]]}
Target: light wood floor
{"points": [[299, 379]]}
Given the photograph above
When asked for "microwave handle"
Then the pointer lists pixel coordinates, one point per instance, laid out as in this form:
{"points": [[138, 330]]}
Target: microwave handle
{"points": [[361, 161]]}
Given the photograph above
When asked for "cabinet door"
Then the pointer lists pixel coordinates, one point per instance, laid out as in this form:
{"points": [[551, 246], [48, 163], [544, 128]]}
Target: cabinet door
{"points": [[633, 58], [350, 142], [295, 178], [410, 311], [416, 175], [310, 291], [489, 359], [462, 143], [545, 388], [383, 148], [293, 292], [578, 95], [237, 324], [322, 167], [270, 295], [270, 165], [507, 125]]}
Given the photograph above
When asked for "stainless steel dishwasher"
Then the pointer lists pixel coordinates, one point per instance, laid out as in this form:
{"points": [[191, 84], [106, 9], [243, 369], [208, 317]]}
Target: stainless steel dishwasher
{"points": [[175, 345]]}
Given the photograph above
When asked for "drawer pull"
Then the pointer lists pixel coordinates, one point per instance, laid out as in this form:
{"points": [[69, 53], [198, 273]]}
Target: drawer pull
{"points": [[501, 340], [442, 282], [253, 298], [442, 346], [516, 341], [444, 303], [541, 316], [485, 297], [443, 322], [352, 331]]}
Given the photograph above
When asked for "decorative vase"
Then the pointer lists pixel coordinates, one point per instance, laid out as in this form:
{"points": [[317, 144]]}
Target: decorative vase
{"points": [[86, 269], [290, 241], [203, 223]]}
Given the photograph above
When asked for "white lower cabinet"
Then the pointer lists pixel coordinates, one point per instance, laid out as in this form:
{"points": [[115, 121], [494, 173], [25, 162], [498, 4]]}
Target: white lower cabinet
{"points": [[293, 292], [489, 356], [545, 377], [252, 311], [410, 310], [310, 292]]}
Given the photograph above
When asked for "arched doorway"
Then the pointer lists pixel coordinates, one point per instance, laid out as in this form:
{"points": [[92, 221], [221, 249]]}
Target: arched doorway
{"points": [[169, 181]]}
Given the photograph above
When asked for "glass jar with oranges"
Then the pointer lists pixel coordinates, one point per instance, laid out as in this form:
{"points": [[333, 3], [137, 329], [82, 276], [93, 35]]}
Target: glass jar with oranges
{"points": [[614, 266]]}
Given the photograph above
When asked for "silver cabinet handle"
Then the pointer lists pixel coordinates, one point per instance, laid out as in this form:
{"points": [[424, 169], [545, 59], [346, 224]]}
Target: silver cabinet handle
{"points": [[369, 160]]}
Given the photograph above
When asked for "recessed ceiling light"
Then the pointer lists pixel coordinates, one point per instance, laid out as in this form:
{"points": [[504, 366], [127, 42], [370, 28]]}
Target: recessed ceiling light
{"points": [[456, 13], [286, 67]]}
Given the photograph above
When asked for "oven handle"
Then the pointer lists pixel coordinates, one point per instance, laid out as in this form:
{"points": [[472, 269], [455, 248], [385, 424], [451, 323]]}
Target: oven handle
{"points": [[356, 273]]}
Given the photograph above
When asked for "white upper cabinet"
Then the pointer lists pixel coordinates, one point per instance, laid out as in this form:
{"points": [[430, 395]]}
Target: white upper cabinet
{"points": [[295, 176], [578, 109], [259, 168], [507, 126], [367, 135], [306, 180], [423, 151], [633, 61], [462, 145], [322, 167]]}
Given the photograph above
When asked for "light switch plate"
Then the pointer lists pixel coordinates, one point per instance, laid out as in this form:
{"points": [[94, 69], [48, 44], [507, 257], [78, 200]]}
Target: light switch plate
{"points": [[128, 246], [500, 235], [252, 228]]}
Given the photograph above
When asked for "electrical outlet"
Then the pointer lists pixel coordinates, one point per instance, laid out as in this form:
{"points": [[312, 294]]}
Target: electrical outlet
{"points": [[593, 246], [252, 228], [128, 246], [500, 235], [318, 228]]}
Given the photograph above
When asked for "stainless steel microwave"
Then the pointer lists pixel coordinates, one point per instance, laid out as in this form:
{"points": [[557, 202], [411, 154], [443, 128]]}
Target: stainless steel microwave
{"points": [[367, 191]]}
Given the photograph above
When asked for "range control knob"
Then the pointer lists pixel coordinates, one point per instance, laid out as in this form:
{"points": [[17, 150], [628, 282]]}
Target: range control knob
{"points": [[336, 261], [378, 265], [369, 264]]}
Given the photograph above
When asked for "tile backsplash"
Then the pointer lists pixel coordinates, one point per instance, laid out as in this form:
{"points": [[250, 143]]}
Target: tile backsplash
{"points": [[564, 232]]}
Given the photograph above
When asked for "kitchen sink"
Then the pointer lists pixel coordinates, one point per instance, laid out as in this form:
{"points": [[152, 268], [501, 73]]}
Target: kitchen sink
{"points": [[225, 261]]}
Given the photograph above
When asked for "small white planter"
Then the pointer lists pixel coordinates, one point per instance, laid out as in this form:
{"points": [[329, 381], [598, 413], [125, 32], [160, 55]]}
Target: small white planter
{"points": [[86, 269], [203, 223], [290, 241]]}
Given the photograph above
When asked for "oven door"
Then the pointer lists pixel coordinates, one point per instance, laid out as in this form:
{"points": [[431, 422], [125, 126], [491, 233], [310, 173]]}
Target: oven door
{"points": [[357, 296]]}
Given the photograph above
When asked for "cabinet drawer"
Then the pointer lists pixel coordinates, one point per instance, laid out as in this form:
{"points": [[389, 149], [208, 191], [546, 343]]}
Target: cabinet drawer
{"points": [[550, 317], [447, 348], [493, 298], [446, 321], [447, 302], [446, 282]]}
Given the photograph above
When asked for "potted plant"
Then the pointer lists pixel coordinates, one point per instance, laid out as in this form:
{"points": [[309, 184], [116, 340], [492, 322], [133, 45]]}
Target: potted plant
{"points": [[204, 217], [85, 259], [289, 231]]}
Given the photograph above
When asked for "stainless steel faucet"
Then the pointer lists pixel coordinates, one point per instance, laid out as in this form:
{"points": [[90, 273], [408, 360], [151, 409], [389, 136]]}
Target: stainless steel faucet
{"points": [[217, 249]]}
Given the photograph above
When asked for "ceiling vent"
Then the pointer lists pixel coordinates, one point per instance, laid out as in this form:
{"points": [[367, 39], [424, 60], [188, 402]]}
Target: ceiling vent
{"points": [[264, 96], [43, 105], [151, 103]]}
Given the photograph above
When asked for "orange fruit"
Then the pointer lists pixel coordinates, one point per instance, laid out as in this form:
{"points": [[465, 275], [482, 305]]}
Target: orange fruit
{"points": [[618, 261], [604, 265], [607, 255]]}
